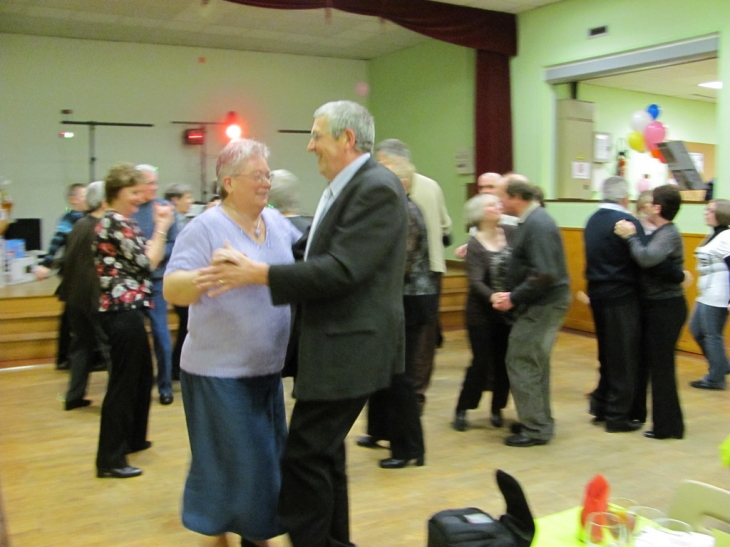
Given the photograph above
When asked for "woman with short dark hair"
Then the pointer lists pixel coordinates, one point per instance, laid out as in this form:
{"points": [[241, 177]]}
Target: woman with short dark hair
{"points": [[663, 312], [124, 262]]}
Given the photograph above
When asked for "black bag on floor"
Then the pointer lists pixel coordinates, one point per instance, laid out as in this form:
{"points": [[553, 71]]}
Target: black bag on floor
{"points": [[471, 527]]}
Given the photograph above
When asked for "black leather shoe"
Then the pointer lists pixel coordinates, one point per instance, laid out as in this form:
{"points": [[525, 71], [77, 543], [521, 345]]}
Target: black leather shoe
{"points": [[459, 423], [652, 435], [145, 446], [496, 419], [78, 403], [704, 384], [368, 441], [622, 426], [119, 473], [166, 399], [521, 440], [395, 463], [598, 420]]}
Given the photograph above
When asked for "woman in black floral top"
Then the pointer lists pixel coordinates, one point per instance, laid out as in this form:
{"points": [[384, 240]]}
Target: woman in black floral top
{"points": [[487, 258], [124, 263]]}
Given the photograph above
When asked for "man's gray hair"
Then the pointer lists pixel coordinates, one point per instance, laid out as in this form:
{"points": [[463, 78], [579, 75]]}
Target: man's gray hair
{"points": [[402, 168], [95, 195], [342, 115], [394, 148], [614, 190], [146, 167], [474, 208], [234, 157], [177, 190], [284, 191]]}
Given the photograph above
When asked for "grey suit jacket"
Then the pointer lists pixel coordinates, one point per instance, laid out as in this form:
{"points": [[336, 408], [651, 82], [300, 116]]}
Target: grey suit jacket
{"points": [[350, 291]]}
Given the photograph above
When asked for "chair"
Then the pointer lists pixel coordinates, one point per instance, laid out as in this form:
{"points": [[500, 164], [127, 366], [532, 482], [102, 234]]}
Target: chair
{"points": [[695, 501]]}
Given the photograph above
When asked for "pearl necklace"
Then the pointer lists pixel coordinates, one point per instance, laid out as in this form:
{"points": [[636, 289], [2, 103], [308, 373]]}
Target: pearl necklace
{"points": [[257, 226]]}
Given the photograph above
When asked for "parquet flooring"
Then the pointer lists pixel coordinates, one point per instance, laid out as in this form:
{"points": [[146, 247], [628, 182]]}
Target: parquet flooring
{"points": [[52, 498]]}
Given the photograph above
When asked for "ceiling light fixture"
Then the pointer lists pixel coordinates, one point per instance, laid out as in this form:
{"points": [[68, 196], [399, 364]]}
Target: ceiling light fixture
{"points": [[711, 85]]}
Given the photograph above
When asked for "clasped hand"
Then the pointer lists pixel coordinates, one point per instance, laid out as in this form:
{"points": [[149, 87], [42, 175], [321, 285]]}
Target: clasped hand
{"points": [[501, 301], [228, 268]]}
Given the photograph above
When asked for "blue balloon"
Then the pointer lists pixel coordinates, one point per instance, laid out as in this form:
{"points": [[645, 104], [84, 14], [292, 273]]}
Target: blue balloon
{"points": [[653, 110]]}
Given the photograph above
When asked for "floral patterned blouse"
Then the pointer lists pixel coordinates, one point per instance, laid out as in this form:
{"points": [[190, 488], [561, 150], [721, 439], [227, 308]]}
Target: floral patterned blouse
{"points": [[123, 268]]}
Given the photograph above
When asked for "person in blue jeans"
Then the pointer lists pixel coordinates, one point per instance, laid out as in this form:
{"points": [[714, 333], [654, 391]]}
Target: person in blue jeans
{"points": [[710, 313], [158, 314]]}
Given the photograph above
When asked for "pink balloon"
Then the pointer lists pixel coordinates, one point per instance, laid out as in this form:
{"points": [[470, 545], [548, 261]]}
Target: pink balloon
{"points": [[654, 133]]}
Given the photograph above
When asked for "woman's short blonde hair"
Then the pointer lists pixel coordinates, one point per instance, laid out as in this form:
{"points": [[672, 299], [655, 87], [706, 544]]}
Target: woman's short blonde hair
{"points": [[474, 208]]}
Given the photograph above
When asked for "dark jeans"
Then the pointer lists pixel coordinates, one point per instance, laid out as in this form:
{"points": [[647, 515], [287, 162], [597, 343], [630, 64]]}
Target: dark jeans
{"points": [[161, 338], [707, 325]]}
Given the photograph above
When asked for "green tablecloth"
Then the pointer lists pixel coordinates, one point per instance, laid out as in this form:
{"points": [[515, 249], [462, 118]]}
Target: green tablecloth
{"points": [[558, 530], [561, 530]]}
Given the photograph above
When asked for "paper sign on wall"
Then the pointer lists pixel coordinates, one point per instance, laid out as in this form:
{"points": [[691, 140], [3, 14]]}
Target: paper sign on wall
{"points": [[581, 170]]}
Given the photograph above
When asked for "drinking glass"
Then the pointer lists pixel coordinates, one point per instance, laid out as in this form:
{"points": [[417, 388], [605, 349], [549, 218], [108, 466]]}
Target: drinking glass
{"points": [[605, 529], [641, 517], [620, 507], [676, 527]]}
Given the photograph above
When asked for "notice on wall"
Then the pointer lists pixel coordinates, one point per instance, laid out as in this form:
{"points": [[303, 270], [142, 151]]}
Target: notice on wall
{"points": [[464, 161], [581, 170]]}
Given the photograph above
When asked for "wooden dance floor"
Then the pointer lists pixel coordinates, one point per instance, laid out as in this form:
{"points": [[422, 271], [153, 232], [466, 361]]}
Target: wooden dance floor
{"points": [[52, 498]]}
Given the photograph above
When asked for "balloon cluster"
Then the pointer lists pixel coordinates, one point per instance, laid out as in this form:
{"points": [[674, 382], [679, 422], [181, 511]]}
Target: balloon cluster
{"points": [[648, 132]]}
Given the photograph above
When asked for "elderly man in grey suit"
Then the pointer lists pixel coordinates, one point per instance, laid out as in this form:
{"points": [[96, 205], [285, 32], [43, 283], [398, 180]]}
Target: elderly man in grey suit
{"points": [[538, 279], [350, 294]]}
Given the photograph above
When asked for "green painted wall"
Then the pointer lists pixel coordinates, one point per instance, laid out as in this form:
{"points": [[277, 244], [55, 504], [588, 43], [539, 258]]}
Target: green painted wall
{"points": [[556, 34], [425, 97]]}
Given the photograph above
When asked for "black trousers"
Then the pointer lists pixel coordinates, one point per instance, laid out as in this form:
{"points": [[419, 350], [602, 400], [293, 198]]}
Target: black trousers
{"points": [[64, 337], [126, 407], [182, 332], [488, 369], [618, 332], [661, 325], [313, 502], [87, 343]]}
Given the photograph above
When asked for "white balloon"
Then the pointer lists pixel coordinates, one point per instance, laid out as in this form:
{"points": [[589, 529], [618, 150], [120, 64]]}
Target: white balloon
{"points": [[640, 119]]}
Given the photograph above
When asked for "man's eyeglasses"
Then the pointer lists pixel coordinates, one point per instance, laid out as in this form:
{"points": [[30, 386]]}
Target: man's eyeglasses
{"points": [[258, 176]]}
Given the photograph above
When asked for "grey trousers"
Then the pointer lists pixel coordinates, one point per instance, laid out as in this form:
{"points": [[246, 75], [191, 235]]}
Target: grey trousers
{"points": [[528, 365]]}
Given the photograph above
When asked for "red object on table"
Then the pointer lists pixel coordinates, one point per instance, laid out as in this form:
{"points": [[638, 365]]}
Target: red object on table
{"points": [[596, 499]]}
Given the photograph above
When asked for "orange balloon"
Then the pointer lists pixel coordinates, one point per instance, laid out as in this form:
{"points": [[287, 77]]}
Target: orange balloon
{"points": [[656, 153]]}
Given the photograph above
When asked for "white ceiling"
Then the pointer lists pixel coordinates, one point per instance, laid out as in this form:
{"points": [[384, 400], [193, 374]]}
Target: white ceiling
{"points": [[676, 80], [225, 25]]}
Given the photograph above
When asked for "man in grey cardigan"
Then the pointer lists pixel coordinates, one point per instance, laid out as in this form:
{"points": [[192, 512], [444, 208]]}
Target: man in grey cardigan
{"points": [[539, 296]]}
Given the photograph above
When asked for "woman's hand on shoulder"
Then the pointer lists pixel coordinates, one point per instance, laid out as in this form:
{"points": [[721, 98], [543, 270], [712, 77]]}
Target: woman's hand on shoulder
{"points": [[624, 229]]}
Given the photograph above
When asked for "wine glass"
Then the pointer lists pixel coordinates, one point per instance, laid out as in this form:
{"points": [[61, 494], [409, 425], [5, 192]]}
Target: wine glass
{"points": [[604, 529]]}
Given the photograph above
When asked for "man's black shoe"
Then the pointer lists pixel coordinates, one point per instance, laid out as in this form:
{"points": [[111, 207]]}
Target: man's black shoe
{"points": [[622, 426], [521, 440]]}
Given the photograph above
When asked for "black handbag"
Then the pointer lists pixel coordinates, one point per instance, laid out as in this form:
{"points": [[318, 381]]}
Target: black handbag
{"points": [[472, 527]]}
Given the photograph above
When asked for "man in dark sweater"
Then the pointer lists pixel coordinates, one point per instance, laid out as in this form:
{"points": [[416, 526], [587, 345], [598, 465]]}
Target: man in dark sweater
{"points": [[539, 294], [613, 289]]}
